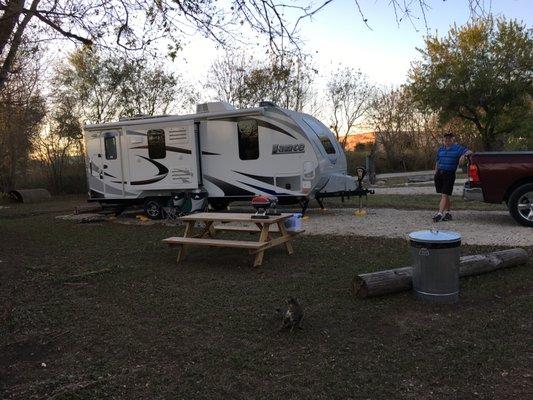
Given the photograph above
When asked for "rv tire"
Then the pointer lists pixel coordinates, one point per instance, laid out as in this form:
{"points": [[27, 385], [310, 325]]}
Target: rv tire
{"points": [[153, 209]]}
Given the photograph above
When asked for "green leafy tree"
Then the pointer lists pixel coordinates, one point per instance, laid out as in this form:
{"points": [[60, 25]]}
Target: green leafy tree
{"points": [[147, 89], [94, 81], [407, 137], [286, 82], [480, 72], [104, 86]]}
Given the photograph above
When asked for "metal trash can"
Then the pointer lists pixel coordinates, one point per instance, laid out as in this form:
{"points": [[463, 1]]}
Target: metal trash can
{"points": [[436, 257]]}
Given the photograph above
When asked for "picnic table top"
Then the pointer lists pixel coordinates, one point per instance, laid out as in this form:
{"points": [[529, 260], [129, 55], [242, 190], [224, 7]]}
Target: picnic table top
{"points": [[235, 217]]}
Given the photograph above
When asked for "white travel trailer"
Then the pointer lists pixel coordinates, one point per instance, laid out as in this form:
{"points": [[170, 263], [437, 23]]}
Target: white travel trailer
{"points": [[219, 153]]}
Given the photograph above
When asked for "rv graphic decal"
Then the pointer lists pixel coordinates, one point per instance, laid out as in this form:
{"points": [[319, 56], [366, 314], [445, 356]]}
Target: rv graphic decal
{"points": [[264, 124], [98, 170], [288, 148], [265, 179], [168, 148], [268, 125], [228, 188], [262, 189], [161, 174]]}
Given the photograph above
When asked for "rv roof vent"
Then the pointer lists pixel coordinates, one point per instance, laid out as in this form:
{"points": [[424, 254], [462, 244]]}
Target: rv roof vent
{"points": [[265, 103], [216, 106]]}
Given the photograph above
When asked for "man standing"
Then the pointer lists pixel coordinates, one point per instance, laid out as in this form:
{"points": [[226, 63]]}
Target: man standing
{"points": [[449, 156]]}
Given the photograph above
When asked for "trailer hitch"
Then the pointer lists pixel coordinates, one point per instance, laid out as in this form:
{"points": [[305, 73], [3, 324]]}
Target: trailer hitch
{"points": [[360, 191], [361, 173]]}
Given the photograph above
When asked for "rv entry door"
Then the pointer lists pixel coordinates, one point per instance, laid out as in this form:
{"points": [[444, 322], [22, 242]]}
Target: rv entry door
{"points": [[111, 172]]}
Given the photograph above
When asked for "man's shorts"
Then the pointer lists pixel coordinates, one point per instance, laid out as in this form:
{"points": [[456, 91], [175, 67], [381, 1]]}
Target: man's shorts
{"points": [[444, 181]]}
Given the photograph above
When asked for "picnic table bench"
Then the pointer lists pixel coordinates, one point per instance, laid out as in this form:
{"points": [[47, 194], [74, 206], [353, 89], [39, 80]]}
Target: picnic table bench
{"points": [[262, 226]]}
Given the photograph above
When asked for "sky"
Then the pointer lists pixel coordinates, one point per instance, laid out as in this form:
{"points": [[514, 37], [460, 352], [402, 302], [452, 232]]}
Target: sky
{"points": [[337, 36]]}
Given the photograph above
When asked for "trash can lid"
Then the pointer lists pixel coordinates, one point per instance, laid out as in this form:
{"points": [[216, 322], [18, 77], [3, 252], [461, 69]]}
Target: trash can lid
{"points": [[435, 236]]}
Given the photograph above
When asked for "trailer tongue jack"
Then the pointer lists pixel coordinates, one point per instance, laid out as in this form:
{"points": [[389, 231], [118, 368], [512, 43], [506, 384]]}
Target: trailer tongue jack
{"points": [[360, 191]]}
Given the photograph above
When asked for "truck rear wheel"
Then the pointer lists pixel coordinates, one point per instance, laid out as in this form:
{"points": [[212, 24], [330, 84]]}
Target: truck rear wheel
{"points": [[153, 209], [521, 204]]}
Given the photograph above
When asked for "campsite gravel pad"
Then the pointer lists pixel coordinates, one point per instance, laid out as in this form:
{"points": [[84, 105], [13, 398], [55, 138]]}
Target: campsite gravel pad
{"points": [[494, 228]]}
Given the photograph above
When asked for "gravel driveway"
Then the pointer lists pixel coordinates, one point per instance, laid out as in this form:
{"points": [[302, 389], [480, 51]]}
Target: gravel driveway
{"points": [[414, 190], [475, 227]]}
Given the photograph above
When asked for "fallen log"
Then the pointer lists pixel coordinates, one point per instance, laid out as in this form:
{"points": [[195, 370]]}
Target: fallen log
{"points": [[399, 279]]}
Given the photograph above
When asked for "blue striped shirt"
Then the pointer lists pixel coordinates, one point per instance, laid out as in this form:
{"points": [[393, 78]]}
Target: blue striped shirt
{"points": [[448, 158]]}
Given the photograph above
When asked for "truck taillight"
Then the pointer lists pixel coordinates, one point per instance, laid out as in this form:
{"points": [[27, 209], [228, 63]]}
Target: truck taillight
{"points": [[473, 173]]}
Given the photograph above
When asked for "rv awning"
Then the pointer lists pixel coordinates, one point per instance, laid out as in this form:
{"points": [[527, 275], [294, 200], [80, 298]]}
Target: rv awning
{"points": [[237, 113], [173, 118]]}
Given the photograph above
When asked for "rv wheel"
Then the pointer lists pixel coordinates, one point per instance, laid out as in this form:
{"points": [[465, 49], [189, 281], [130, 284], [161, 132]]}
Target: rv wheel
{"points": [[153, 209]]}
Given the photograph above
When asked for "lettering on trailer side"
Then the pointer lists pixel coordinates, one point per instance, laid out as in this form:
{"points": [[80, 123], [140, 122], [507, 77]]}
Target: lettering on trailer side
{"points": [[184, 175], [288, 148]]}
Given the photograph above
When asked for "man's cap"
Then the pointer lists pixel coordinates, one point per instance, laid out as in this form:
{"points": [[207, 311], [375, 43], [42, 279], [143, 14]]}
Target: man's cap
{"points": [[448, 134]]}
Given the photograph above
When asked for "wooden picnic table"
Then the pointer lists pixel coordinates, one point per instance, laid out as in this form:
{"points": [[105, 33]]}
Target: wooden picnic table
{"points": [[262, 226]]}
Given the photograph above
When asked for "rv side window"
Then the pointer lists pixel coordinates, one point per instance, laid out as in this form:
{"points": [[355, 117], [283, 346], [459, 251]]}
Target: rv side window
{"points": [[319, 130], [248, 139], [156, 144], [110, 146], [328, 146]]}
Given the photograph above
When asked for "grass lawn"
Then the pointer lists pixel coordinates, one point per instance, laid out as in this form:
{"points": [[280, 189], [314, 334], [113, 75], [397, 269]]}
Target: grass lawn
{"points": [[145, 328]]}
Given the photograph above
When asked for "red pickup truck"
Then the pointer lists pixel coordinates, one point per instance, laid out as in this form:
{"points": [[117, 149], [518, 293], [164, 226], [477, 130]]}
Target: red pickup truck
{"points": [[495, 177]]}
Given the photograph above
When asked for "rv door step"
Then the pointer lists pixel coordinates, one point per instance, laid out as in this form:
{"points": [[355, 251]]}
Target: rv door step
{"points": [[215, 242]]}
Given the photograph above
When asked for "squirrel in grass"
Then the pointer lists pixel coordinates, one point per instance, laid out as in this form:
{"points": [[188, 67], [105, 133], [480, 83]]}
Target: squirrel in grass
{"points": [[292, 315]]}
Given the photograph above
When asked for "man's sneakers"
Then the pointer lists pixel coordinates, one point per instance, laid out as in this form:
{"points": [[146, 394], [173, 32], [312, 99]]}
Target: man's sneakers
{"points": [[439, 217]]}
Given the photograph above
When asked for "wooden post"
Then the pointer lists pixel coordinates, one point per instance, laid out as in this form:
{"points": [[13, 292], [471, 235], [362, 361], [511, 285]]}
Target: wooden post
{"points": [[400, 279]]}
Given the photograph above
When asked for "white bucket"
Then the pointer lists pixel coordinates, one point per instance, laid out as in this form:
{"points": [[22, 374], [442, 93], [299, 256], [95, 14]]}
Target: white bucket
{"points": [[294, 223]]}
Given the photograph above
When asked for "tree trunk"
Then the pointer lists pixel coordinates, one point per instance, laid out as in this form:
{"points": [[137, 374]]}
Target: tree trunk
{"points": [[400, 279], [12, 12], [12, 172], [16, 40]]}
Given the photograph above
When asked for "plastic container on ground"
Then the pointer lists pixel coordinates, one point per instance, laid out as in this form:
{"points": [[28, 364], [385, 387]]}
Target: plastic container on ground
{"points": [[294, 223]]}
